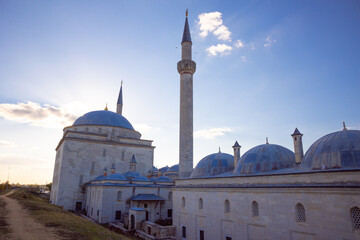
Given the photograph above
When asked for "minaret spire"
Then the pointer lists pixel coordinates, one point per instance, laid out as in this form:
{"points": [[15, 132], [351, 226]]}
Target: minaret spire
{"points": [[186, 67], [119, 104]]}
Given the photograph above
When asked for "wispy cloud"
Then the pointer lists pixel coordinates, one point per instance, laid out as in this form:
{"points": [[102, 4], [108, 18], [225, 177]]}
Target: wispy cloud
{"points": [[20, 160], [212, 22], [6, 144], [37, 115], [211, 133], [221, 49], [269, 41], [239, 44], [243, 58]]}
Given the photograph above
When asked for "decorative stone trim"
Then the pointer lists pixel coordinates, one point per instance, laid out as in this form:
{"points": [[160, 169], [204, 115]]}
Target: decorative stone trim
{"points": [[186, 66]]}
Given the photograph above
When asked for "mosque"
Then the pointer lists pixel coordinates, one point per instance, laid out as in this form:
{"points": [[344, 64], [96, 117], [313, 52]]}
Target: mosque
{"points": [[105, 169]]}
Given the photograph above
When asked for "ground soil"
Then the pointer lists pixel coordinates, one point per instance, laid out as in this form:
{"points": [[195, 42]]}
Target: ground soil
{"points": [[22, 225]]}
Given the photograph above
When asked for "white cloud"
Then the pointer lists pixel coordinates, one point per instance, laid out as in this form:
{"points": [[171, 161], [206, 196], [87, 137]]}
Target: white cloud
{"points": [[223, 33], [209, 22], [221, 49], [211, 133], [37, 115], [6, 144], [252, 46], [20, 160], [243, 58], [239, 44], [212, 22], [269, 41]]}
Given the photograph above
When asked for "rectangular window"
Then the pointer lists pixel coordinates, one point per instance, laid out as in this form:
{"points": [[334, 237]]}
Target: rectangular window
{"points": [[81, 180], [169, 215], [228, 238], [78, 206], [183, 232], [118, 215], [201, 235]]}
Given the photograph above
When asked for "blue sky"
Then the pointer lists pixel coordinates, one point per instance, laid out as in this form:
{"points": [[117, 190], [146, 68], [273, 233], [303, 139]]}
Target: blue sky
{"points": [[263, 68]]}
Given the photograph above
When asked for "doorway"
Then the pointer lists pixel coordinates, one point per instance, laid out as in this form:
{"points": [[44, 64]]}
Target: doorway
{"points": [[132, 225]]}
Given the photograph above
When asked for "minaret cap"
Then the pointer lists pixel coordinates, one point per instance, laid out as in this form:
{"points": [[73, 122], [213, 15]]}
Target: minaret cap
{"points": [[296, 132], [186, 34]]}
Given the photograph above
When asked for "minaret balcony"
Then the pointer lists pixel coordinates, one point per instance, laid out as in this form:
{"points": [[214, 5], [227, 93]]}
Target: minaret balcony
{"points": [[186, 66]]}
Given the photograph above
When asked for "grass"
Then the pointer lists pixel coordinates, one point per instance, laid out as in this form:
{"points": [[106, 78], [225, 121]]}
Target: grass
{"points": [[4, 191], [4, 226], [67, 224]]}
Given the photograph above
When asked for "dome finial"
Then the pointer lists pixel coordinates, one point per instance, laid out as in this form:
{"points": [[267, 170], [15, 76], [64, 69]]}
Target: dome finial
{"points": [[267, 140], [219, 150], [344, 126], [106, 108], [187, 10]]}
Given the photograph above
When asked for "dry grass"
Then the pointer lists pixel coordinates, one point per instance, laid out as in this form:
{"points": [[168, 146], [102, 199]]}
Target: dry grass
{"points": [[4, 226], [67, 224]]}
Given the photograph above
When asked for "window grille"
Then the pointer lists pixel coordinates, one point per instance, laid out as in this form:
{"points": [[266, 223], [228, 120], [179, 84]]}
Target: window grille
{"points": [[255, 209], [183, 231], [355, 215], [300, 213]]}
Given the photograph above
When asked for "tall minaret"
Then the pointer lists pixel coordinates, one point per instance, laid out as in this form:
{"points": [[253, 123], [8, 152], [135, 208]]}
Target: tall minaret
{"points": [[236, 148], [186, 67], [298, 146], [119, 104]]}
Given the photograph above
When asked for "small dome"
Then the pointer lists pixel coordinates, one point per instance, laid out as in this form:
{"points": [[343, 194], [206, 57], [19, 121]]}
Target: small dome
{"points": [[103, 118], [115, 176], [214, 164], [131, 174], [140, 178], [163, 179], [265, 158], [174, 168], [163, 169], [337, 150]]}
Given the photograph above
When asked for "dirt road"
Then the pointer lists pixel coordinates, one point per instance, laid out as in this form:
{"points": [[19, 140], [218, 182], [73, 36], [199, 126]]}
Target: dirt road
{"points": [[23, 226]]}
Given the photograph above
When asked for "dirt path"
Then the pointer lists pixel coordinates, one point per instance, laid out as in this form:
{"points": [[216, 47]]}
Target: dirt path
{"points": [[23, 226]]}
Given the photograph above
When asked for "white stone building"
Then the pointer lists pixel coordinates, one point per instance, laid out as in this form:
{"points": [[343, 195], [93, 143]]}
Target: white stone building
{"points": [[269, 192]]}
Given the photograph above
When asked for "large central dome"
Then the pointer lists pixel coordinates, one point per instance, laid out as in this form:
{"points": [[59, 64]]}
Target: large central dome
{"points": [[103, 118]]}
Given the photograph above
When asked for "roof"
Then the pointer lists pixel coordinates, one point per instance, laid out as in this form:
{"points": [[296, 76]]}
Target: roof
{"points": [[264, 158], [120, 98], [337, 150], [133, 160], [236, 144], [147, 197], [296, 132], [214, 164], [186, 34], [103, 118], [137, 209]]}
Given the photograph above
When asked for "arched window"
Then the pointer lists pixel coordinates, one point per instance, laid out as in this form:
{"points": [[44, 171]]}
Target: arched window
{"points": [[255, 209], [355, 215], [201, 203], [118, 195], [300, 213], [170, 196], [227, 206], [183, 202]]}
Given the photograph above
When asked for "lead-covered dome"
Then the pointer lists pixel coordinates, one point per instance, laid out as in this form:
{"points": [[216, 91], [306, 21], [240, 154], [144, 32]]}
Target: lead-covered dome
{"points": [[214, 164], [265, 158], [337, 150], [103, 118]]}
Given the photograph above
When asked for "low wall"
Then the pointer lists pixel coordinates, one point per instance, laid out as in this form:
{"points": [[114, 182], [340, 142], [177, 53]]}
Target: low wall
{"points": [[150, 230]]}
